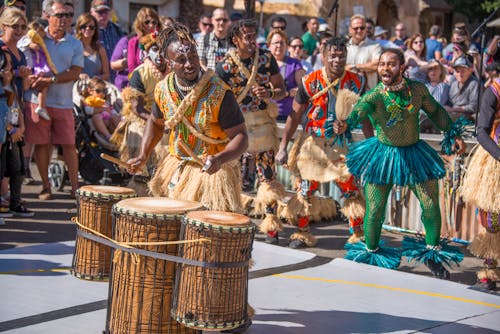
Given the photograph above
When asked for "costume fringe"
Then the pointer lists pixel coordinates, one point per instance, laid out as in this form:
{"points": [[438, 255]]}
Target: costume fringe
{"points": [[314, 209], [353, 208], [486, 245], [491, 274], [327, 208], [459, 128], [482, 181], [309, 239], [270, 192], [355, 238], [385, 257], [220, 191], [296, 206], [346, 99], [415, 249], [247, 203], [294, 153], [271, 224]]}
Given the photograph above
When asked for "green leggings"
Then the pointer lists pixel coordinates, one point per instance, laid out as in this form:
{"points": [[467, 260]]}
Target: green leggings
{"points": [[376, 199]]}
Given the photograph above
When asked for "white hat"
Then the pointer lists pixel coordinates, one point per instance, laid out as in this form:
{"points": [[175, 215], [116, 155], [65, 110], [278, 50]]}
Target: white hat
{"points": [[323, 27], [379, 31]]}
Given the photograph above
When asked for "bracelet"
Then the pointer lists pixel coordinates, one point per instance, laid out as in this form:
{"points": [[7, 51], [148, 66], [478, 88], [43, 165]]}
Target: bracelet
{"points": [[271, 91], [12, 131]]}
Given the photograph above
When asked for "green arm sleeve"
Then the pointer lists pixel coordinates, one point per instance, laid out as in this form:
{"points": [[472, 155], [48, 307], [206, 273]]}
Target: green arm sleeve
{"points": [[436, 113]]}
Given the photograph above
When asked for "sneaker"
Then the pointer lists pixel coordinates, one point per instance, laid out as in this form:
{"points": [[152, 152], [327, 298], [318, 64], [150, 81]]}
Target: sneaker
{"points": [[45, 195], [22, 212], [28, 180], [297, 243], [5, 212], [42, 112]]}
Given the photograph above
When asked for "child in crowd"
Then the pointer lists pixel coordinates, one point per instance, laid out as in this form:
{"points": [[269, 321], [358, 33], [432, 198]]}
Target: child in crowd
{"points": [[104, 117], [39, 60]]}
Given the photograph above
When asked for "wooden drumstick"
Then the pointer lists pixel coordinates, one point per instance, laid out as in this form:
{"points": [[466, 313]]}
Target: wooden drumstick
{"points": [[115, 160], [190, 152]]}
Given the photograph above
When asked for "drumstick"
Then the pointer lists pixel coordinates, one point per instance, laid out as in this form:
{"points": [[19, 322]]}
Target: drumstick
{"points": [[188, 150], [115, 160]]}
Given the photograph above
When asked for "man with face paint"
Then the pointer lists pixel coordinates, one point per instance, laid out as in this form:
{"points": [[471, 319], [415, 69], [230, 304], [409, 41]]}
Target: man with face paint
{"points": [[397, 156], [319, 96], [207, 130], [138, 100], [254, 77]]}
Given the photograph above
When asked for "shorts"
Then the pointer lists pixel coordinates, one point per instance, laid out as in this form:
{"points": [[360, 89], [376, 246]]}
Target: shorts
{"points": [[4, 111], [60, 130]]}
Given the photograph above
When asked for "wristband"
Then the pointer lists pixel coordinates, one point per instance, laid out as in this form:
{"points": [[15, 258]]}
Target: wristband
{"points": [[12, 131]]}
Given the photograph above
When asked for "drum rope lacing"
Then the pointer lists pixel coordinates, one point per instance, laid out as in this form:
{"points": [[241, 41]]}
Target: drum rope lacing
{"points": [[135, 252]]}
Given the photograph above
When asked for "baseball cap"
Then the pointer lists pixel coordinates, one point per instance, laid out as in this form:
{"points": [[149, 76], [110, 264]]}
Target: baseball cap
{"points": [[462, 62], [101, 4], [379, 31]]}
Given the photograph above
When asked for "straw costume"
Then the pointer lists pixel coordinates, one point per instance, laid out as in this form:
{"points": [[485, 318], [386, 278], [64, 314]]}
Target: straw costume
{"points": [[481, 186], [397, 156], [127, 137], [318, 156], [260, 119]]}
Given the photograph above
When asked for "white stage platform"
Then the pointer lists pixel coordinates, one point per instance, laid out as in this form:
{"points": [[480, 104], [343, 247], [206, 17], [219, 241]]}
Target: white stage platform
{"points": [[292, 291]]}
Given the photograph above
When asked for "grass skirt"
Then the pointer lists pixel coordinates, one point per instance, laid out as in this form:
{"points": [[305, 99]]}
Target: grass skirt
{"points": [[184, 180], [481, 184], [373, 162]]}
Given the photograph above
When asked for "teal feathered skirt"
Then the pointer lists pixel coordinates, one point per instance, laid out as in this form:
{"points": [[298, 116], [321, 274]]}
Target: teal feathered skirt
{"points": [[373, 162]]}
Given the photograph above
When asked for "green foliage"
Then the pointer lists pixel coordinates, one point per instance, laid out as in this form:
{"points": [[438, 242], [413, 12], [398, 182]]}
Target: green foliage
{"points": [[490, 5], [471, 9]]}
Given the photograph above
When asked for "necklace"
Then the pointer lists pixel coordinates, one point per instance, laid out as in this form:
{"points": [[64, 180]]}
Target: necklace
{"points": [[395, 109], [244, 70], [185, 88], [396, 87]]}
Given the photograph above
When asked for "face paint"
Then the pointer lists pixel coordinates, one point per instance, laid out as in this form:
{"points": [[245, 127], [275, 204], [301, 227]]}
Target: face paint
{"points": [[154, 55]]}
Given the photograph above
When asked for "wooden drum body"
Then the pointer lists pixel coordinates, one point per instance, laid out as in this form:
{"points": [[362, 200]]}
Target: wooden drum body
{"points": [[91, 259], [214, 296], [141, 286]]}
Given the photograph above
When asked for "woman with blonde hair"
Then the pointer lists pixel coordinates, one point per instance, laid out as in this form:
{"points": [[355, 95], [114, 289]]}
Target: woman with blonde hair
{"points": [[96, 63], [146, 22]]}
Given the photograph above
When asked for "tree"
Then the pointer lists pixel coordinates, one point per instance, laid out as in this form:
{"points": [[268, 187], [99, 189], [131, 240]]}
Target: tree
{"points": [[490, 5]]}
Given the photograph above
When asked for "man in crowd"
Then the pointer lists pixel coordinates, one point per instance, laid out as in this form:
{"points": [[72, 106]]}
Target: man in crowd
{"points": [[311, 37], [317, 98], [214, 46], [278, 23], [205, 26], [400, 36], [433, 46], [464, 90], [109, 32], [67, 55]]}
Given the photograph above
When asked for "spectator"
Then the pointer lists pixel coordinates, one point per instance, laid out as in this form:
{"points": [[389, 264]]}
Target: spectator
{"points": [[311, 37], [492, 50], [296, 51], [19, 4], [235, 17], [439, 89], [316, 59], [67, 55], [457, 36], [278, 23], [416, 65], [291, 70], [95, 61], [216, 44], [205, 26], [381, 36], [400, 38], [146, 22], [109, 32], [492, 71], [370, 28], [362, 52], [119, 63], [464, 91], [166, 20], [433, 46]]}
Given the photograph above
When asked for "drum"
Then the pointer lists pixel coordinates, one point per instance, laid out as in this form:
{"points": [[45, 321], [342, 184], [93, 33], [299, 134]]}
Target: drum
{"points": [[213, 296], [91, 259], [141, 286]]}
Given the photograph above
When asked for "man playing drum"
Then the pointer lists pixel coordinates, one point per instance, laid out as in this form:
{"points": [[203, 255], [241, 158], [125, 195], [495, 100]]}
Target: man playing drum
{"points": [[321, 94], [207, 130], [255, 78]]}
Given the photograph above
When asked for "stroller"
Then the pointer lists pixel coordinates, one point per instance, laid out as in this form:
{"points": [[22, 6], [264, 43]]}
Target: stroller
{"points": [[90, 144]]}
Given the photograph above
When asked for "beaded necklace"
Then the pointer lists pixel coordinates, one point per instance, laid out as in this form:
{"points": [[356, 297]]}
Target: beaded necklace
{"points": [[395, 109]]}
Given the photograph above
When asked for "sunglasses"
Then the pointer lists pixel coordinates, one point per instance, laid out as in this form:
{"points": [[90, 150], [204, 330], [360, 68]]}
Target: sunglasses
{"points": [[85, 26], [221, 20], [359, 28], [63, 15], [279, 27], [99, 90], [153, 22], [102, 11], [207, 24], [418, 42], [17, 26], [20, 7], [300, 46]]}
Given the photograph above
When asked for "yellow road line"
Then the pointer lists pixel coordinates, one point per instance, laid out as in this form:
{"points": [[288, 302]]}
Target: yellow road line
{"points": [[30, 271], [391, 288]]}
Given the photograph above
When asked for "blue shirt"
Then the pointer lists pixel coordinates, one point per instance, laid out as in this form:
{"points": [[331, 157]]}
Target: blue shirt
{"points": [[432, 46], [65, 53], [109, 37]]}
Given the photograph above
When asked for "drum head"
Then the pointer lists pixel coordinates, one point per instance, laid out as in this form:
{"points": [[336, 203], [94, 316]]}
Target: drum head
{"points": [[219, 218], [156, 205], [108, 190]]}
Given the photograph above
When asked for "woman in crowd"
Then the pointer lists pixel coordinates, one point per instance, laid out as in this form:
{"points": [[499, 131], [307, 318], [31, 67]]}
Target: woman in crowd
{"points": [[96, 61], [290, 68], [119, 62], [416, 65], [296, 51], [439, 89], [146, 22]]}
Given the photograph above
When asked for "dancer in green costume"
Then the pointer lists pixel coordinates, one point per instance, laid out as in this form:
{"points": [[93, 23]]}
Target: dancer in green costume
{"points": [[397, 156]]}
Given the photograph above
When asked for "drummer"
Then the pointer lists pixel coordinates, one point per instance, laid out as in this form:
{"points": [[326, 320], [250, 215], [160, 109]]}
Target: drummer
{"points": [[316, 98], [204, 140]]}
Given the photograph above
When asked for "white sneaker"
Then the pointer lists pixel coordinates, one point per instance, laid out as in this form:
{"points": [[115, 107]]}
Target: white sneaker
{"points": [[43, 113]]}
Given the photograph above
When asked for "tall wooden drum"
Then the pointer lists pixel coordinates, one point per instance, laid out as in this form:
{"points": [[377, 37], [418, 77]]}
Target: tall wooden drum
{"points": [[214, 296], [91, 259], [141, 286]]}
